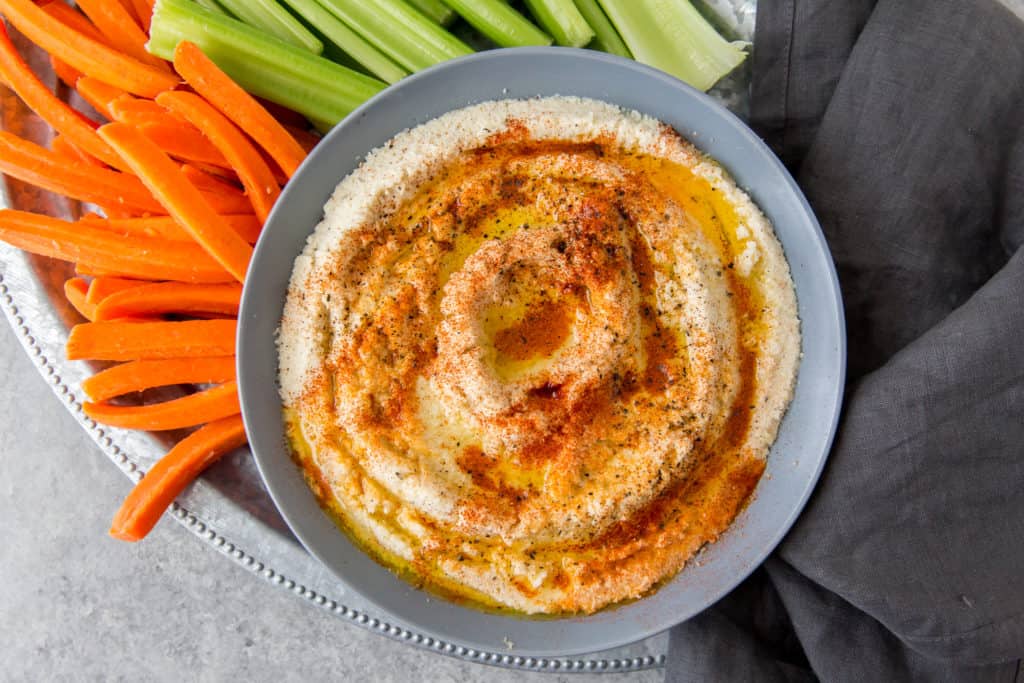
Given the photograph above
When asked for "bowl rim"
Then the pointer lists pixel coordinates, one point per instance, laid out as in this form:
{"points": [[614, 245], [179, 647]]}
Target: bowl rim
{"points": [[265, 450]]}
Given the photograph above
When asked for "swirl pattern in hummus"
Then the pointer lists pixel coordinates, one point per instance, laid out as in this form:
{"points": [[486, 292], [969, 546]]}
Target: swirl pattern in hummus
{"points": [[536, 353]]}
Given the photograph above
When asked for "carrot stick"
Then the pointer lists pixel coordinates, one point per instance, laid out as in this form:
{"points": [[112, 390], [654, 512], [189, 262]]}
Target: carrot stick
{"points": [[121, 30], [146, 340], [220, 171], [130, 9], [306, 138], [64, 120], [102, 287], [39, 166], [139, 110], [89, 56], [107, 252], [144, 11], [163, 483], [202, 176], [65, 71], [187, 411], [170, 297], [99, 94], [246, 225], [257, 178], [179, 140], [237, 105], [88, 270], [225, 203], [183, 201], [279, 176], [75, 291], [163, 227], [75, 20], [281, 113], [60, 145], [139, 375]]}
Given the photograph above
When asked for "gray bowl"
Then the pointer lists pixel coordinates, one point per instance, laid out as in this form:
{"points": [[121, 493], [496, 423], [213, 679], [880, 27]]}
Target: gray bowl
{"points": [[795, 461]]}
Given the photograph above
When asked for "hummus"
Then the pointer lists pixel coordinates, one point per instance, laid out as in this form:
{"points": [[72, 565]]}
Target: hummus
{"points": [[536, 352]]}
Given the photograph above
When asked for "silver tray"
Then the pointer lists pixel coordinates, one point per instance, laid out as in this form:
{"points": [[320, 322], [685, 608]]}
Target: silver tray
{"points": [[228, 506]]}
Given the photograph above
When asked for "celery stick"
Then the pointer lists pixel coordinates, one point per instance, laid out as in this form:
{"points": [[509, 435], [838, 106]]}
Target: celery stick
{"points": [[212, 6], [309, 99], [348, 40], [275, 20], [399, 31], [671, 35], [499, 22], [562, 20], [435, 10], [607, 38], [262, 64]]}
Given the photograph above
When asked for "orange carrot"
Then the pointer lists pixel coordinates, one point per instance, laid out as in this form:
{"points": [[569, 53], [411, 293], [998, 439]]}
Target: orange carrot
{"points": [[280, 177], [170, 297], [139, 110], [146, 503], [187, 411], [307, 139], [144, 12], [225, 174], [257, 178], [281, 113], [237, 105], [246, 225], [99, 94], [224, 203], [146, 340], [121, 30], [130, 9], [75, 292], [89, 56], [60, 145], [139, 375], [65, 72], [102, 287], [106, 252], [83, 269], [39, 166], [180, 140], [183, 201], [75, 20], [120, 194], [40, 99], [163, 227], [204, 177]]}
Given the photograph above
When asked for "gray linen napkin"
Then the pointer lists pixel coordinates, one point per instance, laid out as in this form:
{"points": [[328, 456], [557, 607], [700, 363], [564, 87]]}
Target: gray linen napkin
{"points": [[903, 122]]}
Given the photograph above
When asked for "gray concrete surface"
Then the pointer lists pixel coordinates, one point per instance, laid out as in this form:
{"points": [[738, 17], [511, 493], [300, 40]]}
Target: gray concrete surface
{"points": [[76, 605]]}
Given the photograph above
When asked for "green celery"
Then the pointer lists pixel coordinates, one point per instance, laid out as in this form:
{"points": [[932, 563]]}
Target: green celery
{"points": [[399, 31], [262, 64], [499, 22], [323, 109], [275, 20], [348, 40], [562, 20], [212, 6], [607, 39], [671, 35], [435, 10]]}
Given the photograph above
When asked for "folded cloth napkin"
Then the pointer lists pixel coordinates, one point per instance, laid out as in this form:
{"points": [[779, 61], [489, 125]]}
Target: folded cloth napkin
{"points": [[903, 122]]}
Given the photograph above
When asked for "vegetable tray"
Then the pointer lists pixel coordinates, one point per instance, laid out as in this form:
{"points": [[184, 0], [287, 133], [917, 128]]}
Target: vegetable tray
{"points": [[228, 507]]}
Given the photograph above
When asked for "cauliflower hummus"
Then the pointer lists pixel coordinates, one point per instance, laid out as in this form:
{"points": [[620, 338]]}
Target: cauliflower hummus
{"points": [[535, 354]]}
